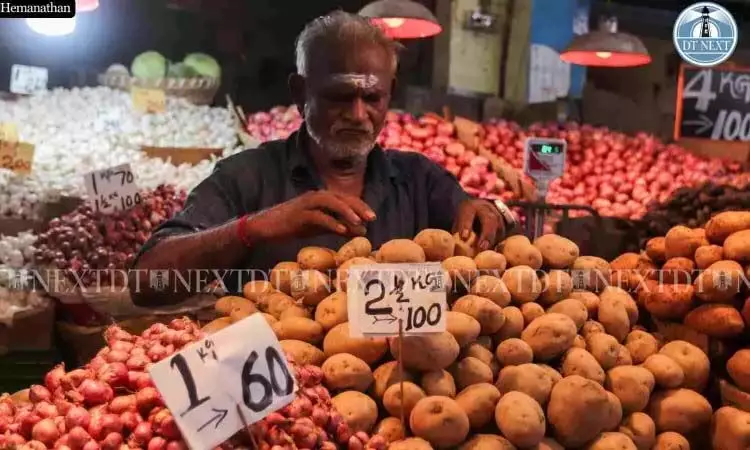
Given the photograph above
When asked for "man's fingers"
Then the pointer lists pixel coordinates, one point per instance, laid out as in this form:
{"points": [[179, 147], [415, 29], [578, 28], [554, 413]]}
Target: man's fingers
{"points": [[465, 220], [331, 202], [324, 221], [362, 209], [490, 223]]}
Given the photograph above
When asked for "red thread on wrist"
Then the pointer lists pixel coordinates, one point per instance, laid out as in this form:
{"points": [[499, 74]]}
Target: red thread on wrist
{"points": [[242, 230]]}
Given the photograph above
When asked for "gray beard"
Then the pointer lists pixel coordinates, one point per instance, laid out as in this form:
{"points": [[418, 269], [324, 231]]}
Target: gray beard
{"points": [[337, 150]]}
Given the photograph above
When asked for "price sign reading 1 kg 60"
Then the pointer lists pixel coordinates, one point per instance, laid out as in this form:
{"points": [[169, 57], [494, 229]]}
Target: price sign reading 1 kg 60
{"points": [[241, 366], [381, 295]]}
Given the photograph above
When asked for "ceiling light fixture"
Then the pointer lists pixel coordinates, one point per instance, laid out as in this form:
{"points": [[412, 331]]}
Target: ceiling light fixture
{"points": [[402, 19], [606, 47]]}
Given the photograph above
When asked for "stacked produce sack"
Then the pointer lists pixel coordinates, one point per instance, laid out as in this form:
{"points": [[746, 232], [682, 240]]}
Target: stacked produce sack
{"points": [[527, 361], [111, 402]]}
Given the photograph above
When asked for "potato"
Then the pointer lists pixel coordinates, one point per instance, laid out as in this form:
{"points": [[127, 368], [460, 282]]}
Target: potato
{"points": [[738, 367], [531, 311], [216, 325], [575, 309], [523, 284], [298, 328], [641, 345], [413, 443], [693, 361], [614, 317], [717, 321], [623, 357], [731, 429], [316, 258], [550, 335], [470, 371], [439, 382], [614, 413], [332, 310], [344, 371], [557, 252], [720, 282], [604, 348], [621, 296], [461, 270], [303, 353], [295, 311], [436, 244], [682, 241], [359, 247], [342, 274], [553, 374], [556, 286], [580, 342], [592, 327], [485, 311], [589, 299], [491, 262], [706, 255], [311, 287], [359, 411], [487, 442], [491, 287], [677, 270], [590, 273], [465, 247], [394, 400], [514, 352], [640, 428], [401, 251], [513, 325], [225, 305], [282, 275], [463, 327], [667, 301], [667, 373], [518, 251], [480, 352], [656, 249], [276, 303], [531, 379], [439, 420], [426, 352], [520, 419], [680, 410], [632, 385], [270, 319], [391, 429], [478, 402], [669, 440], [386, 375], [547, 444], [580, 362], [724, 224], [612, 441], [338, 340], [578, 410]]}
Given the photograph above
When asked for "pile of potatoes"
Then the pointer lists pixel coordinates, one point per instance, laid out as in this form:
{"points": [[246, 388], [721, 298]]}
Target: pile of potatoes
{"points": [[526, 362]]}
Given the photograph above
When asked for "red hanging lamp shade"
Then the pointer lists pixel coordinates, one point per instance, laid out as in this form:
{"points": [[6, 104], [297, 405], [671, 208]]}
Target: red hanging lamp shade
{"points": [[86, 5], [402, 19], [606, 47]]}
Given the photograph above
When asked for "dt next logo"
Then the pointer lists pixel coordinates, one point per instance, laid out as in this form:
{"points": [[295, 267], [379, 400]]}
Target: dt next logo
{"points": [[38, 8], [705, 34]]}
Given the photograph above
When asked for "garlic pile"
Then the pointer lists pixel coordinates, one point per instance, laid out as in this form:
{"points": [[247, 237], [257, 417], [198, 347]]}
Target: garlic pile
{"points": [[83, 129], [16, 251]]}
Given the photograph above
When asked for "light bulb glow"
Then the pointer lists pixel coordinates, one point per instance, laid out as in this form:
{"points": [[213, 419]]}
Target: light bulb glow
{"points": [[52, 26], [394, 22], [86, 5], [604, 55]]}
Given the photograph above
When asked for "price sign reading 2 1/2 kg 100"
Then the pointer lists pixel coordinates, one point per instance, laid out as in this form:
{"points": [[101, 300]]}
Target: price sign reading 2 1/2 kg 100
{"points": [[204, 384], [381, 295]]}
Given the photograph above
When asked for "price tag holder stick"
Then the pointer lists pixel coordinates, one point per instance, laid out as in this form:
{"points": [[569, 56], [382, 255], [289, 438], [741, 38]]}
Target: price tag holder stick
{"points": [[249, 432], [401, 365]]}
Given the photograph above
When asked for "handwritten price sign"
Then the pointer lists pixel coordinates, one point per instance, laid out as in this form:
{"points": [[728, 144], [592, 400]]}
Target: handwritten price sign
{"points": [[148, 100], [240, 366], [16, 156], [112, 189], [380, 295], [28, 79]]}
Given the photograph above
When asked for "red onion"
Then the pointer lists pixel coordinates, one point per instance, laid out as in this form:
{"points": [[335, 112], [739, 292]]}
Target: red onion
{"points": [[123, 403], [53, 378], [141, 435], [39, 393], [78, 437], [46, 409], [45, 431], [115, 374], [146, 399], [95, 392], [157, 443]]}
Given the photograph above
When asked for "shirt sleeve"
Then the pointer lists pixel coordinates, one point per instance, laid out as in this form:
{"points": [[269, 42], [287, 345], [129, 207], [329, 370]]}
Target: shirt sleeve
{"points": [[445, 195], [212, 203]]}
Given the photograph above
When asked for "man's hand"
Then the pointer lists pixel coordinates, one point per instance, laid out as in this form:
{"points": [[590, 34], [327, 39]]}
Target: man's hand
{"points": [[491, 223], [310, 214]]}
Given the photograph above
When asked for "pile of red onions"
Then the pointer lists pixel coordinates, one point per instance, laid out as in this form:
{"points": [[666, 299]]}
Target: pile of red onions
{"points": [[278, 123], [111, 404], [84, 240]]}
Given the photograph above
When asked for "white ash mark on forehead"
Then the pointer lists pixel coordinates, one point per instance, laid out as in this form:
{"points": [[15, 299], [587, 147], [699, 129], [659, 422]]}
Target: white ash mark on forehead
{"points": [[358, 80]]}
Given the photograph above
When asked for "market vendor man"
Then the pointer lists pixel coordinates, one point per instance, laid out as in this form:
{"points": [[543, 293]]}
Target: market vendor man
{"points": [[326, 183]]}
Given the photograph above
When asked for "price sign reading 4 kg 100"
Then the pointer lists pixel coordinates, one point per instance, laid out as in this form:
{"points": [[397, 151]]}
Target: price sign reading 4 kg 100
{"points": [[112, 189], [381, 294], [241, 366], [544, 159]]}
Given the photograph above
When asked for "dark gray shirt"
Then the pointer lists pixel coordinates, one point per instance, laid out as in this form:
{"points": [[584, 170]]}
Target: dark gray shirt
{"points": [[407, 191]]}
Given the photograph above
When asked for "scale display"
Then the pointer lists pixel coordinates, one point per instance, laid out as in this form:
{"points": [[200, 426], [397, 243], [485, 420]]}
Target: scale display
{"points": [[544, 159]]}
